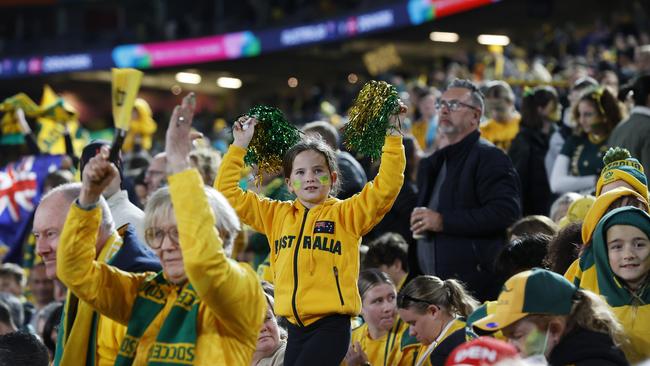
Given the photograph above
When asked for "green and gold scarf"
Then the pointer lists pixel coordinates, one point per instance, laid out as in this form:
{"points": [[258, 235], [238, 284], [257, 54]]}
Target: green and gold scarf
{"points": [[176, 341]]}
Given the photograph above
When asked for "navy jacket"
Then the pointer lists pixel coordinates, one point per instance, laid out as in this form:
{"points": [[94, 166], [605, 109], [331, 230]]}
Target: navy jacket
{"points": [[479, 199]]}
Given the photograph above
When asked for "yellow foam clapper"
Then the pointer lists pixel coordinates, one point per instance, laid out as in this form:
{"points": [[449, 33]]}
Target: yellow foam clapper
{"points": [[126, 83]]}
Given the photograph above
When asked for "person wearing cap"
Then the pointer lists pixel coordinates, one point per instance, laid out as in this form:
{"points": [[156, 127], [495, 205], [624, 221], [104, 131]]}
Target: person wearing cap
{"points": [[633, 132], [545, 316], [123, 211], [606, 202], [435, 311], [617, 266], [624, 171], [483, 351]]}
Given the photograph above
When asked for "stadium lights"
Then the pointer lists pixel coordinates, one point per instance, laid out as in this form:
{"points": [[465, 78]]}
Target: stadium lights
{"points": [[229, 83], [448, 37], [493, 40], [188, 78]]}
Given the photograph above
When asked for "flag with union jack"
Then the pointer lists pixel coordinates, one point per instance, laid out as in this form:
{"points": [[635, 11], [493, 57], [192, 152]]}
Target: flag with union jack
{"points": [[21, 185]]}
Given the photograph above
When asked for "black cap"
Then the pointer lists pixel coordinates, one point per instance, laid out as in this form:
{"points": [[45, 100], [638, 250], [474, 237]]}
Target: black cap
{"points": [[91, 150]]}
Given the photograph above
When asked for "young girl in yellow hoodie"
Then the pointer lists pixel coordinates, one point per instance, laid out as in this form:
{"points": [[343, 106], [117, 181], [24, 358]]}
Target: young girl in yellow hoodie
{"points": [[315, 239]]}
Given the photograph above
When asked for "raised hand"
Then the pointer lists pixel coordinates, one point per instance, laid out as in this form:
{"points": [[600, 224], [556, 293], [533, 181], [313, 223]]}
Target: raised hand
{"points": [[395, 119], [97, 175], [179, 136], [243, 130]]}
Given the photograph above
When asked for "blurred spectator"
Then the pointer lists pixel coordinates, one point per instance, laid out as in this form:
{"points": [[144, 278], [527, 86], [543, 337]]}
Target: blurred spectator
{"points": [[503, 123], [561, 205], [41, 287], [521, 254], [534, 224], [156, 175], [57, 178], [50, 328], [580, 161], [632, 133], [564, 248], [540, 109], [12, 279], [424, 129], [388, 253], [272, 341], [206, 160], [15, 309]]}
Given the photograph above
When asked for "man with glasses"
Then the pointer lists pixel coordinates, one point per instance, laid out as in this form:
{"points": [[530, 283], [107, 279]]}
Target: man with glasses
{"points": [[468, 195], [81, 325]]}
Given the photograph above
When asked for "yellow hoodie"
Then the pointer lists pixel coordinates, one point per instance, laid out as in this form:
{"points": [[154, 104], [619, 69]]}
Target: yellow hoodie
{"points": [[231, 307], [315, 252]]}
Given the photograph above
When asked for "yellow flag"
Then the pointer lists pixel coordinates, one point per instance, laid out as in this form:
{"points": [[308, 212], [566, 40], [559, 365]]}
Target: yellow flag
{"points": [[56, 108], [126, 83]]}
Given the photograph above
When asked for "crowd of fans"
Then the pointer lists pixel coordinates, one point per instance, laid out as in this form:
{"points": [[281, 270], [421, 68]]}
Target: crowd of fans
{"points": [[504, 224]]}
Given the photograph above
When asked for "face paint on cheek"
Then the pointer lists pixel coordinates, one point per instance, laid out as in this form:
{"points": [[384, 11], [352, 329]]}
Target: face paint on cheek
{"points": [[296, 184], [324, 179], [534, 343]]}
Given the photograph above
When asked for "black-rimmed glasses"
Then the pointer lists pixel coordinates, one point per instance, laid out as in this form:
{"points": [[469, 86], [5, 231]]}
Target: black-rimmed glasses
{"points": [[453, 105]]}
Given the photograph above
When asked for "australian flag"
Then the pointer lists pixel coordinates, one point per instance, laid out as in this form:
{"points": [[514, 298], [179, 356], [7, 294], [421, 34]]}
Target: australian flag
{"points": [[21, 185]]}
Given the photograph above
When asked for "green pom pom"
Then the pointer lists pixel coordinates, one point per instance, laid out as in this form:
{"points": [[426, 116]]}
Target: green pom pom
{"points": [[273, 136], [369, 118], [616, 154]]}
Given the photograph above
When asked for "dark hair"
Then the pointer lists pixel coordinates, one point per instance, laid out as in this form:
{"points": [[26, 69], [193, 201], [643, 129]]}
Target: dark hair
{"points": [[533, 224], [319, 146], [539, 96], [499, 89], [522, 254], [57, 178], [20, 348], [423, 291], [606, 107], [326, 130], [385, 250], [52, 324], [564, 248], [370, 278], [477, 97], [640, 87]]}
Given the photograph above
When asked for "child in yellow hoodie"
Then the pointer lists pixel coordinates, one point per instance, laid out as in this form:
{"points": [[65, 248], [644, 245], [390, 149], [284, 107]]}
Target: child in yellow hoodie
{"points": [[315, 239]]}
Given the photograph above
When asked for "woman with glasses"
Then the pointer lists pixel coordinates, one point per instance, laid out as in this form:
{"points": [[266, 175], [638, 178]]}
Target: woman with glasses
{"points": [[435, 311], [203, 308]]}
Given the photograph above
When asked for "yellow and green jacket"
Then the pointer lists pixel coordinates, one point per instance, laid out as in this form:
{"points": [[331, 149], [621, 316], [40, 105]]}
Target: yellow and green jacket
{"points": [[593, 272], [315, 252], [411, 350], [231, 304]]}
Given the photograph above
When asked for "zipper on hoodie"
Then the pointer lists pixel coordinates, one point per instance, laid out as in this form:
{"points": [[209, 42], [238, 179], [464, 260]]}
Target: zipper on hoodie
{"points": [[295, 270], [338, 284]]}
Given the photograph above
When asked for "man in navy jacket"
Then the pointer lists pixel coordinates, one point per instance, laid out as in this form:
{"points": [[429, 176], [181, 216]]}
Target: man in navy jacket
{"points": [[469, 194]]}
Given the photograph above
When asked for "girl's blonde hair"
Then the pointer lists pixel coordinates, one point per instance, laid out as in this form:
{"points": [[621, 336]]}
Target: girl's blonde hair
{"points": [[450, 294]]}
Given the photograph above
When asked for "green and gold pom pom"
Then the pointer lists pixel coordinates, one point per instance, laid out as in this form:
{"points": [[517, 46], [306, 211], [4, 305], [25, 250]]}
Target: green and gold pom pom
{"points": [[616, 154], [273, 136], [369, 118]]}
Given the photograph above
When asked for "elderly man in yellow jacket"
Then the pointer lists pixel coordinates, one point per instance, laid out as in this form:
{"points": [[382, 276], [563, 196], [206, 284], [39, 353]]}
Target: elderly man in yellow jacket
{"points": [[203, 308]]}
